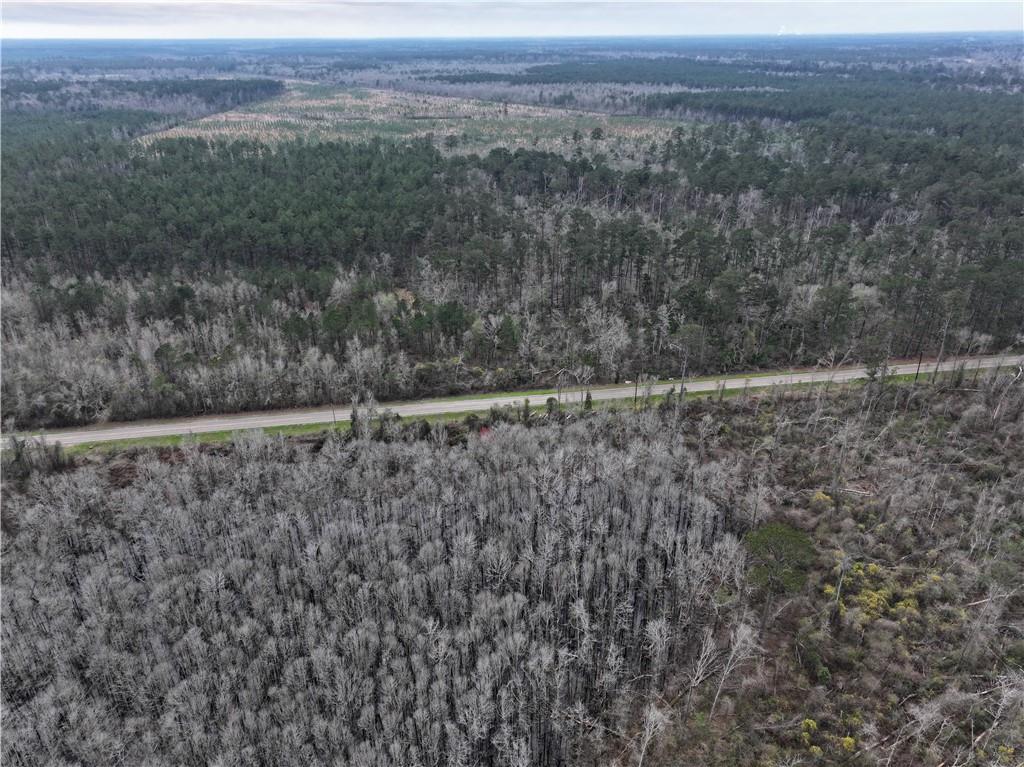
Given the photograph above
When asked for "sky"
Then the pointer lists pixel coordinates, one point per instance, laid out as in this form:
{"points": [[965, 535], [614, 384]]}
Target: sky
{"points": [[187, 19]]}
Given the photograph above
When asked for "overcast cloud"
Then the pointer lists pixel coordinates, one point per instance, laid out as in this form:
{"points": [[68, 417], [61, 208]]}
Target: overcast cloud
{"points": [[262, 18]]}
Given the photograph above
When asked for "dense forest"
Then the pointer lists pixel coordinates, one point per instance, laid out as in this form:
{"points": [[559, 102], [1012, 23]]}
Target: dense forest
{"points": [[868, 208], [755, 581], [973, 105], [172, 96], [825, 574]]}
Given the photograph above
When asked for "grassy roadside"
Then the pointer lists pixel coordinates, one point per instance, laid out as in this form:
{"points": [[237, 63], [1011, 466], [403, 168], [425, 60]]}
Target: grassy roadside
{"points": [[539, 393], [311, 429], [214, 436]]}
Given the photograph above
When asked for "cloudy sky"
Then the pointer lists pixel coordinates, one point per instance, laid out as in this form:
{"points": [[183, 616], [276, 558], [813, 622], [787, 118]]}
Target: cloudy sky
{"points": [[180, 19]]}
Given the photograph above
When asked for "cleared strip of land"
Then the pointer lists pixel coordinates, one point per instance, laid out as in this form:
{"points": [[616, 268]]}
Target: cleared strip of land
{"points": [[327, 415], [318, 112]]}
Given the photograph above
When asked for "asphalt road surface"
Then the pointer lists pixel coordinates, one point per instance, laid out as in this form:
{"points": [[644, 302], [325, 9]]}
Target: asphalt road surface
{"points": [[325, 415]]}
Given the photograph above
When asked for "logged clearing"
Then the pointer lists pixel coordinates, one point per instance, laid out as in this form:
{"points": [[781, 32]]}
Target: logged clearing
{"points": [[323, 113]]}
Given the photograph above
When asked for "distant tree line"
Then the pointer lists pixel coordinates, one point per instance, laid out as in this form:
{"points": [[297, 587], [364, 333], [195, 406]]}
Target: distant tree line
{"points": [[77, 95], [66, 116]]}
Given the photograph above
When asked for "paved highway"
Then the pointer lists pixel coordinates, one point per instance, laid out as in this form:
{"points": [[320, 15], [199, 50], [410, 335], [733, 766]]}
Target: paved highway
{"points": [[325, 415]]}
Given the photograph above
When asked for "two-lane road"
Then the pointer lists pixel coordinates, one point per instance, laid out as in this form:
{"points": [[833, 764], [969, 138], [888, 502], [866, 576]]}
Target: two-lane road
{"points": [[325, 415]]}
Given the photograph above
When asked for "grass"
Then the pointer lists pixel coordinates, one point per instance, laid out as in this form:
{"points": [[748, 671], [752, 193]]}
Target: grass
{"points": [[217, 437]]}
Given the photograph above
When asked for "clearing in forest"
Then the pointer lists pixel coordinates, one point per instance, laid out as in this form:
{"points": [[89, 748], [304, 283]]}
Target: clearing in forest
{"points": [[324, 112]]}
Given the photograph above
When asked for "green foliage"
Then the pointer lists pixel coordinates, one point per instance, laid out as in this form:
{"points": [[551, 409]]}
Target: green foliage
{"points": [[780, 556], [882, 220]]}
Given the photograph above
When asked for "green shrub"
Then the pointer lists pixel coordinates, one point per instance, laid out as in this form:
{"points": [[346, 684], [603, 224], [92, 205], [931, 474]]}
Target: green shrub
{"points": [[780, 557]]}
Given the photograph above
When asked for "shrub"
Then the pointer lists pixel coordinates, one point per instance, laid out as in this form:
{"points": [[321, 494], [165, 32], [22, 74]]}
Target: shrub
{"points": [[780, 556]]}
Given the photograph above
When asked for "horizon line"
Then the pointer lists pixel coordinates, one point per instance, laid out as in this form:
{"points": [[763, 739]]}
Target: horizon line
{"points": [[708, 35]]}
